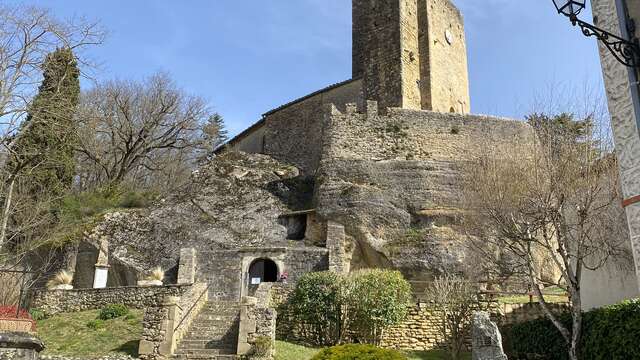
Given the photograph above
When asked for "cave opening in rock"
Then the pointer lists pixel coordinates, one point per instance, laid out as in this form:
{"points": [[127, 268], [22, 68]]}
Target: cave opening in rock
{"points": [[296, 225]]}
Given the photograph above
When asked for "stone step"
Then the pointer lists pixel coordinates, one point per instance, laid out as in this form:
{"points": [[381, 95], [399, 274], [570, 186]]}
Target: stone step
{"points": [[204, 352], [207, 343], [213, 334], [210, 333], [217, 317], [218, 322], [220, 308], [208, 357], [221, 311]]}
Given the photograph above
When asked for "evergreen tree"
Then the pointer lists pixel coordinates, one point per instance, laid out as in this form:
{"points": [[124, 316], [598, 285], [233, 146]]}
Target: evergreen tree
{"points": [[44, 147]]}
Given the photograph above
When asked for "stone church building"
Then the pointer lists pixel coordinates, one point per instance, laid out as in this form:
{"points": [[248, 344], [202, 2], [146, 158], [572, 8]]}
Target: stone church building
{"points": [[363, 173]]}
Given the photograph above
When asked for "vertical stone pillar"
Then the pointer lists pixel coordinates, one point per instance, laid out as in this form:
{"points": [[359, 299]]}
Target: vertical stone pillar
{"points": [[20, 346], [187, 266], [167, 326], [624, 109], [248, 324], [336, 246], [101, 273]]}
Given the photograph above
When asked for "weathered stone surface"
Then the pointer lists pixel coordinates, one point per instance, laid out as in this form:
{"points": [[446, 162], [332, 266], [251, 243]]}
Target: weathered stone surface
{"points": [[19, 346], [233, 202], [486, 338], [57, 301], [395, 182]]}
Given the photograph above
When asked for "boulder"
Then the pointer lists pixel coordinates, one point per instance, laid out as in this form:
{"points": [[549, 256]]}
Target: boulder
{"points": [[486, 338]]}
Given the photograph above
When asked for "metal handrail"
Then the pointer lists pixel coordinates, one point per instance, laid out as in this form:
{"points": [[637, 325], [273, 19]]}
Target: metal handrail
{"points": [[192, 307]]}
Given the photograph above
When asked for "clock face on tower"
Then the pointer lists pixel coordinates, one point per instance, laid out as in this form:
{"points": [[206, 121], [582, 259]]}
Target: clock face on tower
{"points": [[448, 36]]}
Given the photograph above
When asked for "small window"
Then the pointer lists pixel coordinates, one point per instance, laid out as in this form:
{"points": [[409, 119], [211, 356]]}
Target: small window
{"points": [[452, 110]]}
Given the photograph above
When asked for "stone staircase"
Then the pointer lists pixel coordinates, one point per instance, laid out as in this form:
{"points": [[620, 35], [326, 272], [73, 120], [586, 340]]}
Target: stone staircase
{"points": [[213, 334]]}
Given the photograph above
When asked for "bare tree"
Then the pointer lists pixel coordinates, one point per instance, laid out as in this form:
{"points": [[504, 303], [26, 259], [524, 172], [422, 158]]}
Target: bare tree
{"points": [[137, 131], [548, 195], [27, 36], [456, 299]]}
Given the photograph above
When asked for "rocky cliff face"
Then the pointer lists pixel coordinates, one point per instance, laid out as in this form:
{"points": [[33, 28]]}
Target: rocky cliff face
{"points": [[395, 182], [233, 202]]}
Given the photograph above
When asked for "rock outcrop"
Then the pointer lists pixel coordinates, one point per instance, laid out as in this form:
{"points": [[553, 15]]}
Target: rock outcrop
{"points": [[233, 202], [486, 338]]}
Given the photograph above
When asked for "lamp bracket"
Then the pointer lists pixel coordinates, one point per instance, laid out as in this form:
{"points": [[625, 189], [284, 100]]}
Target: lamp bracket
{"points": [[625, 51]]}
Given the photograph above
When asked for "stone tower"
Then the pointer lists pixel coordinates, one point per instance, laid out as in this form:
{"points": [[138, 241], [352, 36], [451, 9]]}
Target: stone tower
{"points": [[411, 54]]}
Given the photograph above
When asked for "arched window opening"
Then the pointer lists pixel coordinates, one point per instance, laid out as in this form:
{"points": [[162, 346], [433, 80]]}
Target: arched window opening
{"points": [[263, 270]]}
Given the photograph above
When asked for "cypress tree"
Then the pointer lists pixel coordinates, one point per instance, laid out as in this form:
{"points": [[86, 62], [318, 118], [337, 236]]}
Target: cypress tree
{"points": [[44, 147]]}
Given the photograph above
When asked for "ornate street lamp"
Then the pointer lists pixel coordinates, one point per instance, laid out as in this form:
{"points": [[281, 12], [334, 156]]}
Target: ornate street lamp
{"points": [[627, 52]]}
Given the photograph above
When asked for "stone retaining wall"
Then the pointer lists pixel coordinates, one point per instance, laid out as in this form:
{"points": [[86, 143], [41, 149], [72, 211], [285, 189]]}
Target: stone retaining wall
{"points": [[57, 301], [106, 357], [257, 320], [189, 306], [165, 324], [419, 331]]}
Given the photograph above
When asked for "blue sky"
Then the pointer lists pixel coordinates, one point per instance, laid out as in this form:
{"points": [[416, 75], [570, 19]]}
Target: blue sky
{"points": [[247, 57]]}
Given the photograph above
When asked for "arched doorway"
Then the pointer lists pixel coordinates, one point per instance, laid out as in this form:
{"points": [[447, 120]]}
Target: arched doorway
{"points": [[263, 270]]}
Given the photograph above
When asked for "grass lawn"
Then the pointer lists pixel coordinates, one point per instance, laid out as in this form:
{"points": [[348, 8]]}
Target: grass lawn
{"points": [[551, 294], [523, 299], [288, 351], [68, 334]]}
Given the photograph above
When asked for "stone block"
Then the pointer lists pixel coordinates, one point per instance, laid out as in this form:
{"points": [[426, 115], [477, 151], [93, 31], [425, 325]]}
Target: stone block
{"points": [[187, 266], [146, 347]]}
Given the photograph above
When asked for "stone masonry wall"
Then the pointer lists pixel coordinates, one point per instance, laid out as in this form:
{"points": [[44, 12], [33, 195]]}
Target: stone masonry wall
{"points": [[257, 320], [189, 306], [57, 301], [224, 269], [293, 133], [448, 76], [377, 50], [420, 330], [411, 54]]}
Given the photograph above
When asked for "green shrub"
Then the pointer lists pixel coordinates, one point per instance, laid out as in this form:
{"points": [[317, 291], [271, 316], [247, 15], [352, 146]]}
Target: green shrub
{"points": [[377, 299], [608, 333], [316, 305], [262, 346], [113, 311], [37, 314], [358, 352], [95, 324], [326, 306]]}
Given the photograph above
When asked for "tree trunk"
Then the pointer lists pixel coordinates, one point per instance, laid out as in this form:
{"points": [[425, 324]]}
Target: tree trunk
{"points": [[6, 211]]}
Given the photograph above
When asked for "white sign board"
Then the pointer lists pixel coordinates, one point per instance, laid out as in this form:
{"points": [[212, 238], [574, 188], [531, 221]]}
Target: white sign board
{"points": [[100, 278], [255, 281]]}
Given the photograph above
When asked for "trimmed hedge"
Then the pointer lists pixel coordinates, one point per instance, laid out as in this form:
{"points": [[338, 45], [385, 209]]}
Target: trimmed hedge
{"points": [[358, 352], [608, 333]]}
